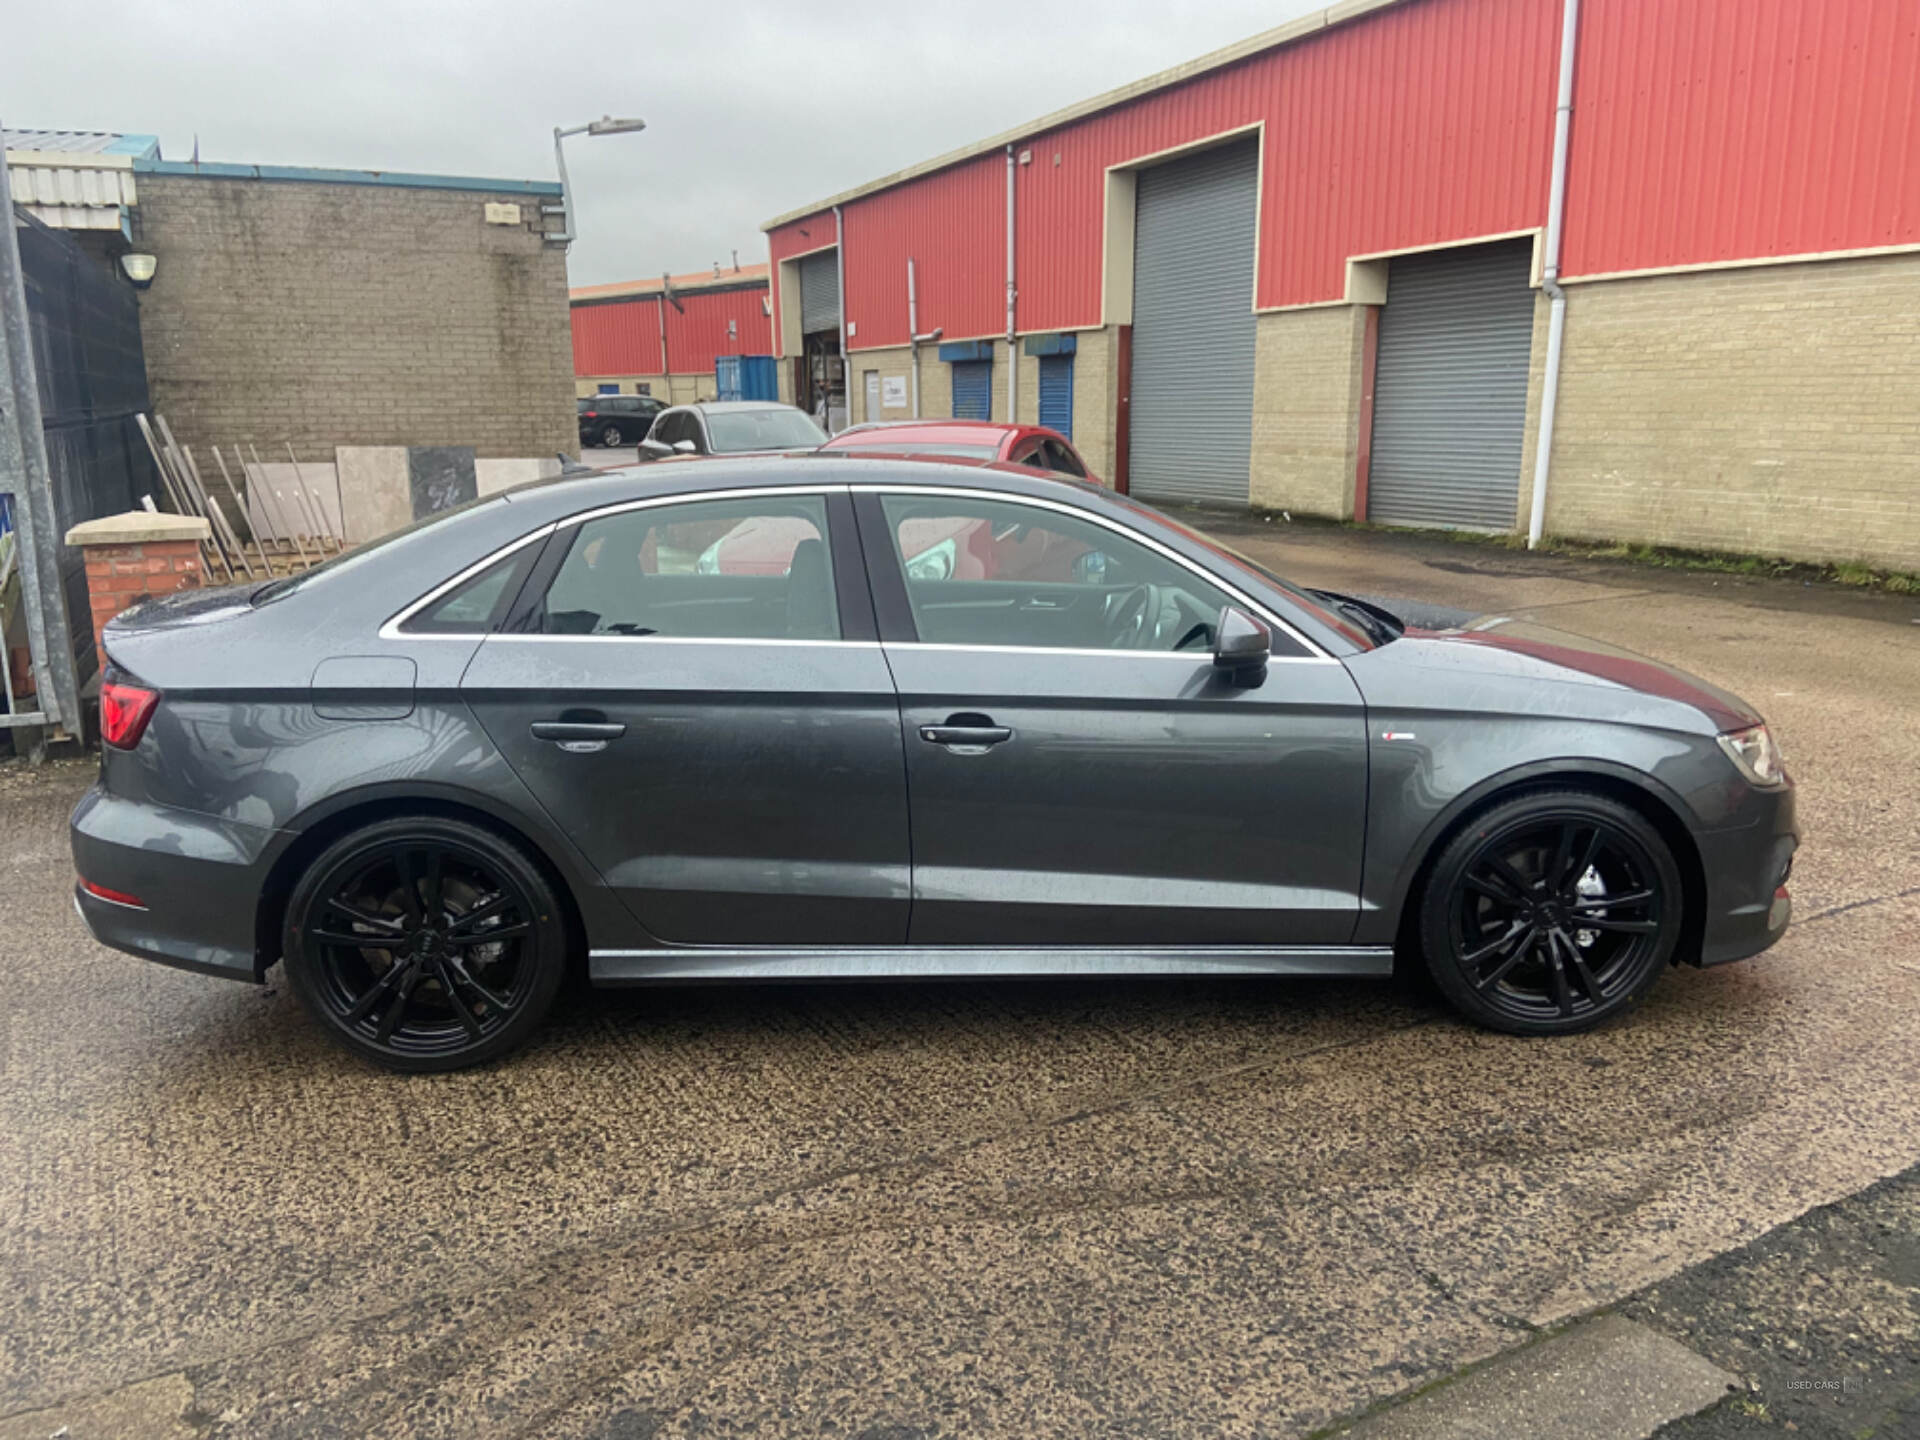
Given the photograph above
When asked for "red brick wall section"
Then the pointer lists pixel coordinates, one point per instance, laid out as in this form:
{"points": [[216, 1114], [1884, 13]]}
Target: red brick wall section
{"points": [[121, 576]]}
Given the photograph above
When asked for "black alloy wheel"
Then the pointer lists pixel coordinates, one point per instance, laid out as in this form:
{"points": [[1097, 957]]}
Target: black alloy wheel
{"points": [[425, 944], [611, 436], [1551, 912]]}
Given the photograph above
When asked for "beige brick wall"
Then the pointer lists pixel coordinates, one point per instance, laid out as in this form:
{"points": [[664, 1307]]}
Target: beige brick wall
{"points": [[334, 315], [1773, 410], [1306, 409], [1092, 390]]}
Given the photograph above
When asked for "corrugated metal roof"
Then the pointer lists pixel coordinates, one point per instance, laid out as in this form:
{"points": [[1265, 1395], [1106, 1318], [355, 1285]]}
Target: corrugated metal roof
{"points": [[104, 143], [755, 275]]}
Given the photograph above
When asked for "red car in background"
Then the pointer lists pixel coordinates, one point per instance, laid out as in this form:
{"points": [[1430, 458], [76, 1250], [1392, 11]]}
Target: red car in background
{"points": [[1033, 445]]}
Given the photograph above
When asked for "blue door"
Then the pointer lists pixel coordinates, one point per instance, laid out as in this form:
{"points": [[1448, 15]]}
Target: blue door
{"points": [[973, 390], [1056, 393]]}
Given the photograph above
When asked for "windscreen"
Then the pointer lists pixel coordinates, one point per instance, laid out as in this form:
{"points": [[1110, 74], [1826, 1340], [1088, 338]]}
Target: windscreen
{"points": [[732, 432]]}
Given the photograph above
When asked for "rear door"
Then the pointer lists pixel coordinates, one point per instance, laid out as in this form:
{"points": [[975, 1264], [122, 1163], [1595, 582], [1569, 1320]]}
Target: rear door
{"points": [[1079, 773], [692, 688]]}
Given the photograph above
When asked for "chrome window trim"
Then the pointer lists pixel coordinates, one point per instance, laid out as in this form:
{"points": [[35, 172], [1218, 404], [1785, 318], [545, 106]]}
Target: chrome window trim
{"points": [[391, 629], [682, 640], [1316, 655], [1192, 657]]}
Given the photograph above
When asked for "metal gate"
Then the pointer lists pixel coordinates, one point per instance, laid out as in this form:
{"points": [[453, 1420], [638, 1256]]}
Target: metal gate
{"points": [[1193, 327], [1450, 387], [72, 376], [1056, 393], [973, 389], [819, 291]]}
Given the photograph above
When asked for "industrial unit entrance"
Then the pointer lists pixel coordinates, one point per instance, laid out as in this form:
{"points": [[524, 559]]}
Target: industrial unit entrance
{"points": [[820, 380], [1450, 387], [1191, 435]]}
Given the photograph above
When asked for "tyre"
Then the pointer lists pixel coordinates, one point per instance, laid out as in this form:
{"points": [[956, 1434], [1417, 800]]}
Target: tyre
{"points": [[1550, 912], [425, 943], [610, 436]]}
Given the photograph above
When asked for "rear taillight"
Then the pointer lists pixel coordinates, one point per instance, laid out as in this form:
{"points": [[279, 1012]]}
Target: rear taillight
{"points": [[116, 897], [124, 712], [593, 414]]}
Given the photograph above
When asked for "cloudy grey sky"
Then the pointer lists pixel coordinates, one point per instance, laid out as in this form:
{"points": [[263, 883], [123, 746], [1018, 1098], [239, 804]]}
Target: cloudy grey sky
{"points": [[752, 108]]}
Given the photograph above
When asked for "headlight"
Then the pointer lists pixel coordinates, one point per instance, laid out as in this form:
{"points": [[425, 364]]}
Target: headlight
{"points": [[1755, 755]]}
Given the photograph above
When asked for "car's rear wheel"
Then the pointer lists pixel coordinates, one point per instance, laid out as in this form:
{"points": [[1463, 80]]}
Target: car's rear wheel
{"points": [[1550, 912], [425, 943], [610, 436]]}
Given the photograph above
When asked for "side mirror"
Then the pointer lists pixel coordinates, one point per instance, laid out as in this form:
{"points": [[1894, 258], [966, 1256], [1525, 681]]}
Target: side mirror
{"points": [[685, 447], [654, 450], [1241, 647]]}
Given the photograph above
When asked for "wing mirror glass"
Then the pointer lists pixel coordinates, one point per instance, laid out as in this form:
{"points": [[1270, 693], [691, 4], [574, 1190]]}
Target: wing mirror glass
{"points": [[1241, 647]]}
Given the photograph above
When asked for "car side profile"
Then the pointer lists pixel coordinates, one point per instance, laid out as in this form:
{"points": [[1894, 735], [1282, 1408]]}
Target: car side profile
{"points": [[1036, 445], [730, 427], [616, 419], [729, 721]]}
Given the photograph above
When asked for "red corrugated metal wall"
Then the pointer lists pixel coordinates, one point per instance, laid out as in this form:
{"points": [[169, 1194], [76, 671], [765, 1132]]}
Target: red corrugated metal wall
{"points": [[622, 337], [954, 225], [1734, 129], [619, 338], [1704, 131]]}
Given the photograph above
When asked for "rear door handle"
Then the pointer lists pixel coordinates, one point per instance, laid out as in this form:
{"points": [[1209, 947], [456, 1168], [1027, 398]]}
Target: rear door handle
{"points": [[579, 737], [967, 734]]}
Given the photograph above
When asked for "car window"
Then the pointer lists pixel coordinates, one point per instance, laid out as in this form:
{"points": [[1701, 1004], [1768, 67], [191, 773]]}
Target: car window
{"points": [[1058, 457], [476, 605], [754, 569], [994, 572], [1027, 452], [668, 427], [736, 431]]}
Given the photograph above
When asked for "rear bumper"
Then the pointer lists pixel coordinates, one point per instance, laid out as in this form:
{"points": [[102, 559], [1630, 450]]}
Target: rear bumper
{"points": [[1748, 907], [198, 880]]}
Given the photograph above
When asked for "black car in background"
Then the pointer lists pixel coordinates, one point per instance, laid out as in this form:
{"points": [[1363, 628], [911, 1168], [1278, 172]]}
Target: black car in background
{"points": [[617, 419]]}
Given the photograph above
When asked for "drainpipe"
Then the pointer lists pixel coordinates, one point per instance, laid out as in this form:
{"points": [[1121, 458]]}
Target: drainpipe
{"points": [[913, 336], [846, 350], [1013, 360], [1550, 272], [666, 371]]}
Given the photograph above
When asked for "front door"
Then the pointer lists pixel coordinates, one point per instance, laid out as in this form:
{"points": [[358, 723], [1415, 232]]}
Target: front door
{"points": [[1079, 773], [694, 694]]}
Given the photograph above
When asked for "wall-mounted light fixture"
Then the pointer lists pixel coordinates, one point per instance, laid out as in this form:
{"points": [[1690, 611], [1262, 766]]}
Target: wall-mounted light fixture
{"points": [[139, 267]]}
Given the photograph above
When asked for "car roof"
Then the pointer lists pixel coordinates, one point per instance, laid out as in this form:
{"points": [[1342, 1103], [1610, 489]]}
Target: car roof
{"points": [[890, 431], [724, 406]]}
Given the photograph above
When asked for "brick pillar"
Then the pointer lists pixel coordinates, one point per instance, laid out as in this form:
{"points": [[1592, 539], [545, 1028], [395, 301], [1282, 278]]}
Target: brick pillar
{"points": [[134, 556]]}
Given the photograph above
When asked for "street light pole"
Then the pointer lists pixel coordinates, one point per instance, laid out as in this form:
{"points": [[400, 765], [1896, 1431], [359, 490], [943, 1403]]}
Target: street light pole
{"points": [[605, 125]]}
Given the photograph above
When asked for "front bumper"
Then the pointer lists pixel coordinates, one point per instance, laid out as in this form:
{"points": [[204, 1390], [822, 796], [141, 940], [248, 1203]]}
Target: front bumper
{"points": [[1748, 907], [198, 879]]}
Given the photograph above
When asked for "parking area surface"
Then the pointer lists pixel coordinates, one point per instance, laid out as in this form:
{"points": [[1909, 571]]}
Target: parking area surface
{"points": [[1149, 1208]]}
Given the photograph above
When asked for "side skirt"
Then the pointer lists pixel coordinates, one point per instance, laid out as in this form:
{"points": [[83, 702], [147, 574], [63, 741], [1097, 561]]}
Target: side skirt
{"points": [[968, 962]]}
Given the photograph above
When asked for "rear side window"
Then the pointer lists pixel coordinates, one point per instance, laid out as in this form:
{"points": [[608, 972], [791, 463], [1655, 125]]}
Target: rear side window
{"points": [[478, 604], [756, 569]]}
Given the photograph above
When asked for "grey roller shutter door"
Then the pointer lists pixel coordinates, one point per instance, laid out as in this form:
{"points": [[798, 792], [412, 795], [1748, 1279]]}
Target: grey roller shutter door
{"points": [[819, 292], [1193, 327], [1450, 388]]}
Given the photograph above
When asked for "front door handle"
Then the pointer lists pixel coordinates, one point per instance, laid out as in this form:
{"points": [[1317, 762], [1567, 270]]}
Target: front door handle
{"points": [[579, 737], [966, 734]]}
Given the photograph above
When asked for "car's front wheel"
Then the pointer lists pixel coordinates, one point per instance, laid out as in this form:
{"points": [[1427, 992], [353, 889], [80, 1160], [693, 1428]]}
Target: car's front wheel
{"points": [[425, 943], [1550, 912]]}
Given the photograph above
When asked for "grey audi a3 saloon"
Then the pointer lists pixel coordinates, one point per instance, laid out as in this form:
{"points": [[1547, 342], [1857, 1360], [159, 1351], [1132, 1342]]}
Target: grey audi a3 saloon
{"points": [[852, 716]]}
